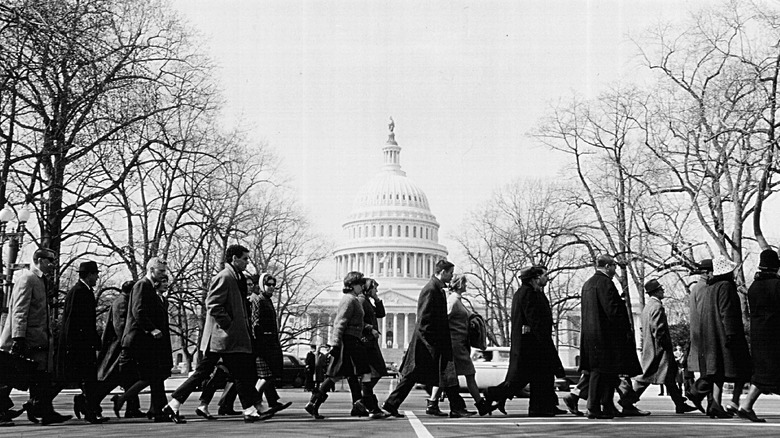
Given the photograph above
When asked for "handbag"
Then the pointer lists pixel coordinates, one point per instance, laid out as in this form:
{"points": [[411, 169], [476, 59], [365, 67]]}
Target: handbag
{"points": [[17, 371], [477, 331]]}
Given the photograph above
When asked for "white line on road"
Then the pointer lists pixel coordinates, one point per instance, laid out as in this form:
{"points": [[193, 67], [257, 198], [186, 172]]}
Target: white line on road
{"points": [[417, 425], [513, 421]]}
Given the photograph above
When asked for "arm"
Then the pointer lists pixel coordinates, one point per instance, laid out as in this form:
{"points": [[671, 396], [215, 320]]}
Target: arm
{"points": [[119, 315], [730, 309], [142, 301], [216, 302], [379, 308], [20, 303], [343, 315], [660, 328]]}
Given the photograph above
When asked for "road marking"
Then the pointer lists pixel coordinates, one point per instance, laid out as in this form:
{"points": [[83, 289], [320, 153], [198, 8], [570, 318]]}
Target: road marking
{"points": [[514, 422], [417, 425]]}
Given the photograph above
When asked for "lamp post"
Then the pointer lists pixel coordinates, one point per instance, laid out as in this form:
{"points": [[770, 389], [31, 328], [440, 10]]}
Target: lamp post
{"points": [[15, 240]]}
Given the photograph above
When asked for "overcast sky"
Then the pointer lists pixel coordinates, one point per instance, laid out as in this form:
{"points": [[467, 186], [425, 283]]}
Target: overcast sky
{"points": [[464, 81]]}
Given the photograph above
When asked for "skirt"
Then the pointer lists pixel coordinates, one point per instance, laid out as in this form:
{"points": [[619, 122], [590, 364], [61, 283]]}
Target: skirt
{"points": [[352, 360], [263, 370]]}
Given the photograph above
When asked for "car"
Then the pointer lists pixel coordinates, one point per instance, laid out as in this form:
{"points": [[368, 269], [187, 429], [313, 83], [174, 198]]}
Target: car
{"points": [[392, 369], [294, 373]]}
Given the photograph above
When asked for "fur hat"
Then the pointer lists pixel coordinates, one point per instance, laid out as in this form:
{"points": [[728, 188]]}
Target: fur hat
{"points": [[769, 260], [721, 266]]}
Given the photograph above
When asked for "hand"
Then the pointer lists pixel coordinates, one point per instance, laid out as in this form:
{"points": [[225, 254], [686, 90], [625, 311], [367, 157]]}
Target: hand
{"points": [[156, 334], [335, 351], [19, 347], [525, 329]]}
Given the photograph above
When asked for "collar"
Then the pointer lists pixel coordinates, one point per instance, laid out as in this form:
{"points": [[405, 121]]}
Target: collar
{"points": [[35, 270], [85, 284], [656, 299]]}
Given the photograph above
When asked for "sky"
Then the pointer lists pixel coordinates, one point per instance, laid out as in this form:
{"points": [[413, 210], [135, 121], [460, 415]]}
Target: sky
{"points": [[464, 81]]}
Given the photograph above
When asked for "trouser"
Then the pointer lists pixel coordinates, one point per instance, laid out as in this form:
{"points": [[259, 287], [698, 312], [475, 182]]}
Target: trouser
{"points": [[5, 398], [601, 390], [406, 384], [240, 365], [625, 389], [202, 372], [543, 398], [671, 387], [220, 379], [104, 387]]}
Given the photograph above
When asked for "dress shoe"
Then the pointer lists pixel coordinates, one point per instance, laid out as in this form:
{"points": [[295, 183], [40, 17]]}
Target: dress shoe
{"points": [[227, 411], [749, 415], [594, 415], [79, 405], [54, 418], [731, 408], [392, 410], [355, 412], [571, 404], [173, 416], [696, 400], [135, 414], [633, 411], [432, 408], [460, 413], [201, 413], [277, 407], [32, 412], [684, 408], [717, 412], [10, 414], [558, 411], [251, 418]]}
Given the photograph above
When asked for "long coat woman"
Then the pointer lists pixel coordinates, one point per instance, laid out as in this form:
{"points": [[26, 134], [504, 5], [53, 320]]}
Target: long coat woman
{"points": [[764, 299]]}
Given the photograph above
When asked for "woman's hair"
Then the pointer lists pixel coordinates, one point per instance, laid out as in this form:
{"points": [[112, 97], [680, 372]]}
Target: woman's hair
{"points": [[370, 282], [458, 282], [352, 279]]}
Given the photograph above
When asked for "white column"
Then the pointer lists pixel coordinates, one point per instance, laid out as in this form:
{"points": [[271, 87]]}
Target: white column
{"points": [[406, 329], [330, 327], [375, 270], [405, 268], [395, 330], [381, 322], [391, 269]]}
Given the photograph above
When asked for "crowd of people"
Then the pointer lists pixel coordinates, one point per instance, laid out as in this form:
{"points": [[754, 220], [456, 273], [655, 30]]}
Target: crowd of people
{"points": [[241, 349]]}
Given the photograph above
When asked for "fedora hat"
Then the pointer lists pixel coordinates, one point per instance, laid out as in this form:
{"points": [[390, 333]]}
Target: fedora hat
{"points": [[652, 286], [88, 266]]}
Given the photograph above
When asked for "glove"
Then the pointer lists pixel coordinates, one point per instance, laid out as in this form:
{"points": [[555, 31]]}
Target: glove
{"points": [[19, 347]]}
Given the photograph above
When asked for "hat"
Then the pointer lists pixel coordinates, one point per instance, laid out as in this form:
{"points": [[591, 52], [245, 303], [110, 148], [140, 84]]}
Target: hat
{"points": [[89, 266], [652, 286], [705, 265], [721, 265], [530, 272], [768, 260]]}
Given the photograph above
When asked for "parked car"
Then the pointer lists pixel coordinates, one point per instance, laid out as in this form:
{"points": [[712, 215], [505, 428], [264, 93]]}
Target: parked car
{"points": [[294, 371], [392, 369]]}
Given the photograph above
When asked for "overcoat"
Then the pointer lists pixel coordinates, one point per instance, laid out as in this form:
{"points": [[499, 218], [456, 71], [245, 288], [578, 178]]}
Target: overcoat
{"points": [[227, 328], [146, 312], [266, 333], [430, 347], [28, 317], [694, 306], [724, 351], [657, 351], [370, 315], [607, 341], [79, 341], [764, 299], [348, 328], [534, 350], [111, 342]]}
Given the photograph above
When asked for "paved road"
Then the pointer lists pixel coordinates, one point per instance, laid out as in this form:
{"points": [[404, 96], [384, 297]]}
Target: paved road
{"points": [[294, 422]]}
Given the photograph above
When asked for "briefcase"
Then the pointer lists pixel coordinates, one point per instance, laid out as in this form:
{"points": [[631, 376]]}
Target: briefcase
{"points": [[17, 371]]}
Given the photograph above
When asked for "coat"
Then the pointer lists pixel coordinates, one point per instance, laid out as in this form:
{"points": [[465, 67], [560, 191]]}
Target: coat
{"points": [[351, 358], [227, 328], [111, 342], [148, 312], [534, 350], [28, 318], [657, 351], [606, 339], [764, 299], [370, 315], [79, 341], [695, 310], [266, 333], [723, 352], [430, 347]]}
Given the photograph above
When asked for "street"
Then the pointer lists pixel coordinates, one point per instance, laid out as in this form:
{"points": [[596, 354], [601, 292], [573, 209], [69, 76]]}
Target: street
{"points": [[295, 422]]}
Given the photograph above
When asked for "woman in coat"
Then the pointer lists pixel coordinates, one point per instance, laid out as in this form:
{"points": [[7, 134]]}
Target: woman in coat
{"points": [[348, 354], [458, 317]]}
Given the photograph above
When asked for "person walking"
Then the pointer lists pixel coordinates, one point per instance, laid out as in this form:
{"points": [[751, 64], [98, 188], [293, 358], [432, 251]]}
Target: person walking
{"points": [[79, 343], [764, 300], [606, 339], [146, 343], [27, 333], [226, 336], [658, 361], [695, 311], [310, 364], [723, 350], [458, 318], [428, 358], [321, 366]]}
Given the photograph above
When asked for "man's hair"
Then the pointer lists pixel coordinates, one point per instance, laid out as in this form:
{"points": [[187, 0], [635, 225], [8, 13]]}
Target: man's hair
{"points": [[443, 265], [235, 250], [604, 260], [156, 263], [44, 253]]}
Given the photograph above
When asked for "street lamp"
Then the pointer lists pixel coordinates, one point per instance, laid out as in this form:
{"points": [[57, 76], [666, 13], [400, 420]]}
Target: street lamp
{"points": [[15, 239]]}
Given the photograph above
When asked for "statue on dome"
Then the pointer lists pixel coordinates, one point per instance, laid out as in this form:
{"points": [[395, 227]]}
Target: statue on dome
{"points": [[391, 125]]}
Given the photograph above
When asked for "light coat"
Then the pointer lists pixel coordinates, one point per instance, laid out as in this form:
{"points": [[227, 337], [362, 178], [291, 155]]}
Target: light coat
{"points": [[657, 352], [28, 318], [695, 309], [227, 327]]}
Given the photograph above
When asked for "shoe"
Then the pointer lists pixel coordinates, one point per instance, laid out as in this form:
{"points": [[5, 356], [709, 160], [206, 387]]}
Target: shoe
{"points": [[392, 410], [54, 418], [460, 413], [696, 400], [558, 411], [684, 408], [571, 404], [717, 412], [227, 411], [361, 408], [135, 414], [633, 412], [173, 416], [252, 418], [117, 405], [432, 408], [10, 414], [32, 412], [749, 415], [484, 407], [731, 408], [277, 407], [201, 413], [373, 408], [160, 418], [313, 407], [79, 405], [593, 415], [355, 412]]}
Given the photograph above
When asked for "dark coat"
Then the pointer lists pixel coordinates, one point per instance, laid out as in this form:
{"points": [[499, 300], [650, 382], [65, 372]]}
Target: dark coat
{"points": [[146, 312], [695, 311], [764, 299], [430, 347], [370, 315], [723, 352], [321, 366], [657, 351], [266, 333], [111, 343], [607, 339], [535, 350], [79, 341]]}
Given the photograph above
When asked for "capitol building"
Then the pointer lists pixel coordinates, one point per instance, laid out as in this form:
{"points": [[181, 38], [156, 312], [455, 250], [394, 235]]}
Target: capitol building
{"points": [[390, 235]]}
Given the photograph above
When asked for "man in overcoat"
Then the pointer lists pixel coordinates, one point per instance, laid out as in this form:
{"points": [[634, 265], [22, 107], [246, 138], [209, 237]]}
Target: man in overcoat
{"points": [[607, 340], [764, 299], [695, 299], [658, 363], [226, 335], [533, 357], [310, 363], [27, 333], [430, 349], [79, 343]]}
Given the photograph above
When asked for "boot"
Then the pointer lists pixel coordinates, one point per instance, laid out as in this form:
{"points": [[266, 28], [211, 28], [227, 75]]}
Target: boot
{"points": [[360, 408], [313, 407], [373, 408], [484, 407], [433, 409]]}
